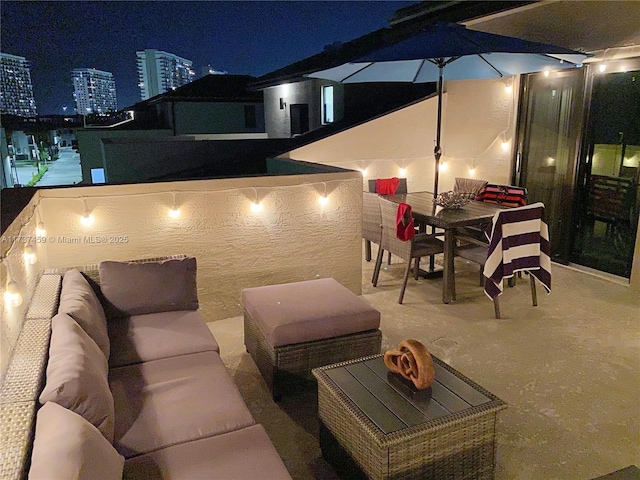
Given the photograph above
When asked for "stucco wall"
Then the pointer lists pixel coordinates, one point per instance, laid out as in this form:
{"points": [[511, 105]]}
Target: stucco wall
{"points": [[20, 233], [293, 237], [477, 114]]}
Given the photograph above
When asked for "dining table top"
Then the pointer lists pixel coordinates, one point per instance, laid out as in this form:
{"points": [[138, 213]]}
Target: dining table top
{"points": [[425, 210]]}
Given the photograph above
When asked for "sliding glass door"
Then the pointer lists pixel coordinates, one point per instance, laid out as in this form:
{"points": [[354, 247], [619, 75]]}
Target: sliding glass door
{"points": [[551, 113]]}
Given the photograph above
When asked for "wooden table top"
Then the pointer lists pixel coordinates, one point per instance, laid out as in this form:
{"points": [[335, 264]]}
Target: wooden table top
{"points": [[391, 405], [426, 211]]}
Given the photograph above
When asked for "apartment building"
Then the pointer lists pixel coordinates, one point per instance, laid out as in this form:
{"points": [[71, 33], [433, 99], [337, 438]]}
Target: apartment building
{"points": [[94, 91], [16, 91], [160, 72]]}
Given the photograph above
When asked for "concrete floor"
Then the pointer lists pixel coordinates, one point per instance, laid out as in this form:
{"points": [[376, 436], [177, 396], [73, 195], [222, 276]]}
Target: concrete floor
{"points": [[569, 370]]}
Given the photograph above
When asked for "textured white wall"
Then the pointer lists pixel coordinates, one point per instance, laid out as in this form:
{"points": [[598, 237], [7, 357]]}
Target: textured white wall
{"points": [[20, 233], [293, 238], [477, 114]]}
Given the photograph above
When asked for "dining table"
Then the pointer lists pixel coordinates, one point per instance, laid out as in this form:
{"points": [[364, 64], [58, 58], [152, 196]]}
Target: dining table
{"points": [[426, 212]]}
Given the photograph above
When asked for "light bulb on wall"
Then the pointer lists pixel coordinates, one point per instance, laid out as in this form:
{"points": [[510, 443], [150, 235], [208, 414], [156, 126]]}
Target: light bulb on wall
{"points": [[174, 211], [12, 294], [323, 199], [29, 254], [546, 73], [87, 217], [402, 171], [602, 67], [41, 231], [508, 88], [443, 166], [256, 205], [505, 145]]}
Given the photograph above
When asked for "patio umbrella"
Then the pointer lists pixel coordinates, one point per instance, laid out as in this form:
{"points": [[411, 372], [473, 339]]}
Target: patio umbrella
{"points": [[464, 54]]}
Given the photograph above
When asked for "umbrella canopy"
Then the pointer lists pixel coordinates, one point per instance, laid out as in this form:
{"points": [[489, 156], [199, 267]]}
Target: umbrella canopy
{"points": [[461, 53]]}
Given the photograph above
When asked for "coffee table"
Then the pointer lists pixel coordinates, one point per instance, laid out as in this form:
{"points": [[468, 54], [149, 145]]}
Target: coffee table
{"points": [[374, 424]]}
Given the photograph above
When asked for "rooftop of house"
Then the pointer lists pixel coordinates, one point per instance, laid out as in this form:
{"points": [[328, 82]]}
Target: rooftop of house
{"points": [[211, 88]]}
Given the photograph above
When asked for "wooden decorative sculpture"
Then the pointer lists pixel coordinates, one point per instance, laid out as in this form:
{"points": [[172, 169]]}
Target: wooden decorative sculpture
{"points": [[413, 361]]}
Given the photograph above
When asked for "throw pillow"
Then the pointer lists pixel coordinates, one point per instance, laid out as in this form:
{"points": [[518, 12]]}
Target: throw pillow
{"points": [[79, 301], [77, 375], [138, 288], [67, 446]]}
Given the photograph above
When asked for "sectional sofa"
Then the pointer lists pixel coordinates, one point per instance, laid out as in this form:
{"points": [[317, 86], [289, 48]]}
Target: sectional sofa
{"points": [[134, 386]]}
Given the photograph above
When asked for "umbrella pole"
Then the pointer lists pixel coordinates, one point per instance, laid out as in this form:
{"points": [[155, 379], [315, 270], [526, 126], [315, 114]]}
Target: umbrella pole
{"points": [[437, 151]]}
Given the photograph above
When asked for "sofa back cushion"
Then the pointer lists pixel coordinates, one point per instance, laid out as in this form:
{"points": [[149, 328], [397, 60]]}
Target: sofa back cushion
{"points": [[138, 288], [67, 446], [77, 375], [79, 301]]}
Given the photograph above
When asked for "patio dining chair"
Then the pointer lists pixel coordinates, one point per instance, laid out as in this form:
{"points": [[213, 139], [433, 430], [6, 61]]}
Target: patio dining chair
{"points": [[402, 185], [371, 222], [421, 245], [519, 241], [469, 187]]}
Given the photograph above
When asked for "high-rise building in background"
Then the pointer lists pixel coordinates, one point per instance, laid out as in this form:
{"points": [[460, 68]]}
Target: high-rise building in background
{"points": [[159, 72], [16, 91], [94, 91]]}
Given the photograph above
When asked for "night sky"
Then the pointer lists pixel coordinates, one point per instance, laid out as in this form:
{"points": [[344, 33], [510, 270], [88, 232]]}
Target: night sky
{"points": [[239, 37]]}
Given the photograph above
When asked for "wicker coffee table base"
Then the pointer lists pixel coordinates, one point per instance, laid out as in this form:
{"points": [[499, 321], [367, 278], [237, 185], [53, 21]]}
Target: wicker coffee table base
{"points": [[459, 446], [287, 367]]}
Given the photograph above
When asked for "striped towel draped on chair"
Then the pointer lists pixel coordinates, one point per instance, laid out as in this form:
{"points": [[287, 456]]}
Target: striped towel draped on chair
{"points": [[519, 242]]}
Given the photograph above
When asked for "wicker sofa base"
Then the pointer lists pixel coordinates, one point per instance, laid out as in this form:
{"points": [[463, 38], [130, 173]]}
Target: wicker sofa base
{"points": [[288, 367]]}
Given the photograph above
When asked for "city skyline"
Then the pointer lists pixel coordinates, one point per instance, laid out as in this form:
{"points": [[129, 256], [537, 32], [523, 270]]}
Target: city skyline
{"points": [[240, 37]]}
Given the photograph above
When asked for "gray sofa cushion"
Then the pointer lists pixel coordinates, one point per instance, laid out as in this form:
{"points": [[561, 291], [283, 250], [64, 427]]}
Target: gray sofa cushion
{"points": [[67, 446], [79, 301], [159, 286], [239, 455], [141, 338], [310, 310], [77, 375], [174, 400]]}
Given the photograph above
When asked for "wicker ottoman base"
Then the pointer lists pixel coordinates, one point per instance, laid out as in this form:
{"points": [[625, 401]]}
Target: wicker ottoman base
{"points": [[286, 367]]}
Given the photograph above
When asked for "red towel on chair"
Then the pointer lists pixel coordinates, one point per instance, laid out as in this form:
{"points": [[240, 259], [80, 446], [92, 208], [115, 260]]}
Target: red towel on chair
{"points": [[405, 228], [387, 186]]}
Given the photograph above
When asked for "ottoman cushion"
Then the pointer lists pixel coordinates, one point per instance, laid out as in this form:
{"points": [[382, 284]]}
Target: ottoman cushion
{"points": [[306, 311]]}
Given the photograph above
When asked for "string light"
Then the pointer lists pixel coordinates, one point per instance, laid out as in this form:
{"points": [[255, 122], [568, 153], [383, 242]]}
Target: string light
{"points": [[174, 211], [505, 144], [87, 217], [323, 198], [402, 172], [256, 206], [546, 73], [443, 166], [12, 296], [29, 254], [602, 67], [508, 88], [41, 231]]}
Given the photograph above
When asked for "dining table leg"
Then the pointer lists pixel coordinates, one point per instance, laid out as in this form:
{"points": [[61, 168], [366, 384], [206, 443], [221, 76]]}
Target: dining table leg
{"points": [[448, 285]]}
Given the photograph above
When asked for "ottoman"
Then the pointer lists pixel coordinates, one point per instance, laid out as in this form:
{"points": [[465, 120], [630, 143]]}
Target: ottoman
{"points": [[292, 328]]}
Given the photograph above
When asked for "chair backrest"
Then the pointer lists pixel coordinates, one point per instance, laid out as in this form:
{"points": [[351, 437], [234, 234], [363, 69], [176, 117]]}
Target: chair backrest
{"points": [[469, 187], [402, 186], [390, 241], [371, 219], [611, 198], [505, 195], [525, 247]]}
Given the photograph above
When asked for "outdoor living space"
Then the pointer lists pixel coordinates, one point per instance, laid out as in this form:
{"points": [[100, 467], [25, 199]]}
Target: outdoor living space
{"points": [[568, 369]]}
